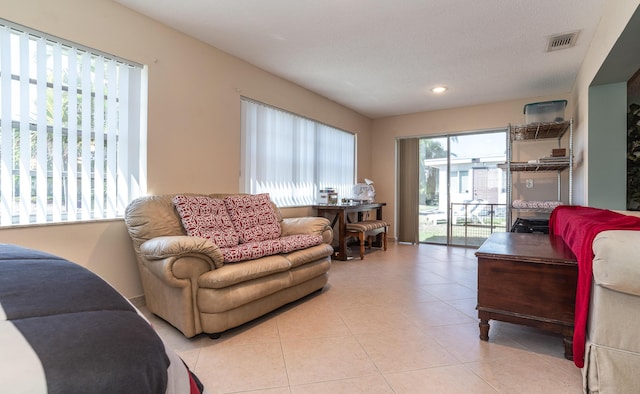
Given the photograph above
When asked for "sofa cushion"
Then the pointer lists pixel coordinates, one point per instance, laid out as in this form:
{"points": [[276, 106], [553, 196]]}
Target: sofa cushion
{"points": [[299, 241], [251, 250], [256, 250], [313, 253], [253, 217], [232, 274], [206, 217]]}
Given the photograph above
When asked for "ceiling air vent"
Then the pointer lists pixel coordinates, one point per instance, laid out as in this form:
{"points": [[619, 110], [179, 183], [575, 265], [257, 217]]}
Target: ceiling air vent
{"points": [[562, 41]]}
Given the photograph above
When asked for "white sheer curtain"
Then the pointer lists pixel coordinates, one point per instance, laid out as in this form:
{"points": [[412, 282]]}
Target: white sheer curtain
{"points": [[71, 130], [292, 157]]}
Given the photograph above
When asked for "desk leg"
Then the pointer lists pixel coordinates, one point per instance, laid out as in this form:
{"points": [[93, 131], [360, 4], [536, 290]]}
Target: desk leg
{"points": [[378, 242], [342, 241]]}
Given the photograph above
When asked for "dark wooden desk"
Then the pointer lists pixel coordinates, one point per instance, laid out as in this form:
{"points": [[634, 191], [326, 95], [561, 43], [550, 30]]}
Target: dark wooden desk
{"points": [[528, 279], [339, 214]]}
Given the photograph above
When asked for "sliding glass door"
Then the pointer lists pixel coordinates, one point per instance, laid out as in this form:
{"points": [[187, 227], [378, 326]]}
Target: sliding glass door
{"points": [[477, 187], [461, 192], [433, 162]]}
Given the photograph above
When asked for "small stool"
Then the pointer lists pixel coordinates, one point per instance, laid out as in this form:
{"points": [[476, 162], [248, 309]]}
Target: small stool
{"points": [[368, 228]]}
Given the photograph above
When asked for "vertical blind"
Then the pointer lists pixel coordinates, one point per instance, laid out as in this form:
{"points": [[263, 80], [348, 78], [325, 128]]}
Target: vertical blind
{"points": [[292, 157], [71, 130]]}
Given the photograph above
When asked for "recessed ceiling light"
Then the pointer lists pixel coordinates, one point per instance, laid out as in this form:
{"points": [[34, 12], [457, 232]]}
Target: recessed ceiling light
{"points": [[439, 89]]}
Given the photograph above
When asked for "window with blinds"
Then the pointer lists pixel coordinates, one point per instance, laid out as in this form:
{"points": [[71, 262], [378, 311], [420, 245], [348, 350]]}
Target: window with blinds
{"points": [[71, 130], [292, 157]]}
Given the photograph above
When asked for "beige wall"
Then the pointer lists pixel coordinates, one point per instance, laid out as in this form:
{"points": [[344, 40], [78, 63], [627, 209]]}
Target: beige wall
{"points": [[386, 131], [193, 119]]}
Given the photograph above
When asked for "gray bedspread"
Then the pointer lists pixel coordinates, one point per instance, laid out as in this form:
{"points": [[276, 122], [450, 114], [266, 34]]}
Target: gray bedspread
{"points": [[65, 330]]}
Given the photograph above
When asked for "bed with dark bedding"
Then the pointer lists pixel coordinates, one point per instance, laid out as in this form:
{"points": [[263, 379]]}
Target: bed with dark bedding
{"points": [[65, 330]]}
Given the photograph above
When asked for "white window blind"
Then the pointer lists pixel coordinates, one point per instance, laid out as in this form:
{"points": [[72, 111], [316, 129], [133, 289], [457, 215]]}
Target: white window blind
{"points": [[292, 157], [72, 130]]}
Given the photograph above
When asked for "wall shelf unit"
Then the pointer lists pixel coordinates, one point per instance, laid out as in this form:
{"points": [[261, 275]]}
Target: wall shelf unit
{"points": [[552, 132]]}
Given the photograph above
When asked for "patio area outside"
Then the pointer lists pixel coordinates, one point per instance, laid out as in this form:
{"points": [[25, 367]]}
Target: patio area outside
{"points": [[471, 223]]}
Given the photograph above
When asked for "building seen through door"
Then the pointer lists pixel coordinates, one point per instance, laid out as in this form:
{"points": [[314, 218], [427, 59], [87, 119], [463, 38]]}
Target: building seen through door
{"points": [[462, 192]]}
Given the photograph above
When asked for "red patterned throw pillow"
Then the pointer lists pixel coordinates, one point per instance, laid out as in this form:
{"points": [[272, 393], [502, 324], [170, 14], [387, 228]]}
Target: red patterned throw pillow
{"points": [[207, 218], [253, 217]]}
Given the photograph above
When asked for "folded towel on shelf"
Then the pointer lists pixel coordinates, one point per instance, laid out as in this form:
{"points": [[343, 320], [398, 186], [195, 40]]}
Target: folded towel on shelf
{"points": [[526, 204]]}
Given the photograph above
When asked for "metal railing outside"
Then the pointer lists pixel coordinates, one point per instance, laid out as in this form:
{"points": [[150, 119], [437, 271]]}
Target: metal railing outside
{"points": [[471, 223]]}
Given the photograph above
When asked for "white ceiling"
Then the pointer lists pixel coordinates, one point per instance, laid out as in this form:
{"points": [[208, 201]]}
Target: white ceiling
{"points": [[382, 57]]}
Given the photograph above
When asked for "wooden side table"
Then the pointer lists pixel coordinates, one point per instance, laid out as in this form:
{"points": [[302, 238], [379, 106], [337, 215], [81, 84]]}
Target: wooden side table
{"points": [[527, 279], [340, 214]]}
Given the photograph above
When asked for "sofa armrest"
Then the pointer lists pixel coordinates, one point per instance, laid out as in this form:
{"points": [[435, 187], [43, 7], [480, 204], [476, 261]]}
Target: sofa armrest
{"points": [[180, 245], [308, 225], [173, 256], [615, 262]]}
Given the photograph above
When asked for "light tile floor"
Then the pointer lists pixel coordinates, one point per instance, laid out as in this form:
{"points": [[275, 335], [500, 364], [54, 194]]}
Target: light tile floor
{"points": [[400, 321]]}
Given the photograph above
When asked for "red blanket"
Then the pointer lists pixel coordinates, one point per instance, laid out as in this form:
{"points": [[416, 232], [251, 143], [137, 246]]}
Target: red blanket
{"points": [[578, 226]]}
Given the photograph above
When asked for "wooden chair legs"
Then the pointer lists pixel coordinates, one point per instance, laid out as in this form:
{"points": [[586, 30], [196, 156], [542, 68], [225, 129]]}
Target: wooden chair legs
{"points": [[367, 229]]}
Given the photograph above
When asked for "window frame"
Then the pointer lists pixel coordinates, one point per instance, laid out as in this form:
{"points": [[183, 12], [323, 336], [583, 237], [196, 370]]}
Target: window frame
{"points": [[114, 133]]}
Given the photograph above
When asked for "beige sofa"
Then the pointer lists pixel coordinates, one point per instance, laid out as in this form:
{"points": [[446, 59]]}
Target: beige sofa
{"points": [[188, 282], [612, 354]]}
